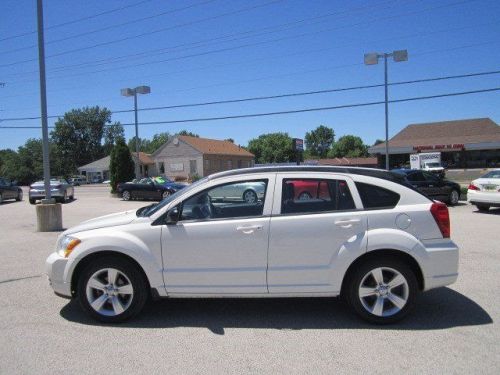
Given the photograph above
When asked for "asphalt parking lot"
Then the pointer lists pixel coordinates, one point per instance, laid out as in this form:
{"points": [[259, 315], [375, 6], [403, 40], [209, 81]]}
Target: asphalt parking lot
{"points": [[452, 330]]}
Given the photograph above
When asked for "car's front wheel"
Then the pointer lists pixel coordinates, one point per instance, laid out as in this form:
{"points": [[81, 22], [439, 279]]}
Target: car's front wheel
{"points": [[250, 196], [112, 290], [166, 194], [382, 291]]}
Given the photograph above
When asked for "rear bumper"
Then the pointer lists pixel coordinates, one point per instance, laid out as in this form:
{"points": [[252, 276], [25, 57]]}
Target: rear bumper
{"points": [[40, 194], [482, 197], [441, 267]]}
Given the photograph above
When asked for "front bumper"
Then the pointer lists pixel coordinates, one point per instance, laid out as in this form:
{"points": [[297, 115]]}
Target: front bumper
{"points": [[441, 267], [55, 267], [483, 197]]}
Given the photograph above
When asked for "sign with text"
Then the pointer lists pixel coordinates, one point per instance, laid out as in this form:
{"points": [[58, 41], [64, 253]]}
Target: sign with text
{"points": [[298, 144], [453, 146]]}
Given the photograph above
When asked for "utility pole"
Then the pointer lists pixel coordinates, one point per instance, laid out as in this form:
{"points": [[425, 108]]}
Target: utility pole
{"points": [[43, 104], [49, 214]]}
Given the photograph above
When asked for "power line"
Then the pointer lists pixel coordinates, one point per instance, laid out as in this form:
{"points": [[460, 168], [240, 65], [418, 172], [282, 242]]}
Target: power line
{"points": [[219, 16], [77, 20], [102, 44], [285, 95], [301, 110], [111, 26]]}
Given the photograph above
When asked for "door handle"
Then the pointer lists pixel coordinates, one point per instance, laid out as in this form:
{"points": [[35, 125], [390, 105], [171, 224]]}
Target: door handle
{"points": [[249, 229], [347, 223]]}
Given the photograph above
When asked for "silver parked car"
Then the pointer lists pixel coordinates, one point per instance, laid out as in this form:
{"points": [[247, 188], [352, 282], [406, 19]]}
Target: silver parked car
{"points": [[60, 189]]}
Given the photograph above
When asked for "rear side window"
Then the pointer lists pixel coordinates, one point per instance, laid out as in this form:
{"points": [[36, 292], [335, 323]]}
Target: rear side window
{"points": [[315, 195], [376, 197]]}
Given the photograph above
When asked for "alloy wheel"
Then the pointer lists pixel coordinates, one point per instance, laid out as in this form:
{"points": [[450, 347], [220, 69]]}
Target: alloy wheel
{"points": [[454, 197], [166, 194], [250, 196], [126, 195], [109, 292], [383, 291]]}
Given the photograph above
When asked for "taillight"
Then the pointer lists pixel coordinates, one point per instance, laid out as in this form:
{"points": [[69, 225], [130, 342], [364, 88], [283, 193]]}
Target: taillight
{"points": [[440, 213], [472, 187]]}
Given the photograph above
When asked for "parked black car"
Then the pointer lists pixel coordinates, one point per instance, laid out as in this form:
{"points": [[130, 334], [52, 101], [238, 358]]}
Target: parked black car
{"points": [[10, 190], [433, 186], [148, 188]]}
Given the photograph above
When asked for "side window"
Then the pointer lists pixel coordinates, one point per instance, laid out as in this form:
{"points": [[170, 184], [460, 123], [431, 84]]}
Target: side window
{"points": [[375, 197], [238, 199], [416, 177], [430, 177], [315, 195]]}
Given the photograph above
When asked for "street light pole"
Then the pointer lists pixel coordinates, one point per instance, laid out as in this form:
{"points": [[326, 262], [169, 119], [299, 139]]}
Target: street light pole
{"points": [[386, 89], [43, 103], [372, 59], [134, 92], [137, 167]]}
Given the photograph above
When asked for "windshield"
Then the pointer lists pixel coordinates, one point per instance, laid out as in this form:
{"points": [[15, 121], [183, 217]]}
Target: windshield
{"points": [[150, 210], [433, 165]]}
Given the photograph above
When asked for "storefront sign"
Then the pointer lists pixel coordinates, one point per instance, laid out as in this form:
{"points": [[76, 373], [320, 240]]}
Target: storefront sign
{"points": [[453, 146]]}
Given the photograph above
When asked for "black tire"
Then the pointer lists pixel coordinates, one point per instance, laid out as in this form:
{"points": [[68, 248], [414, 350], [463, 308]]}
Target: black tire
{"points": [[136, 277], [351, 290], [126, 195], [32, 201], [454, 197], [246, 196], [1, 198], [19, 195], [482, 207]]}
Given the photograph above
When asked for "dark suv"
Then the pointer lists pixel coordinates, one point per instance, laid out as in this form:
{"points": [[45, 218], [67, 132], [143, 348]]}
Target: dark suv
{"points": [[9, 190]]}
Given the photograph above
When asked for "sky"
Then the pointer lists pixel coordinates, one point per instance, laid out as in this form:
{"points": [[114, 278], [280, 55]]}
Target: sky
{"points": [[196, 51]]}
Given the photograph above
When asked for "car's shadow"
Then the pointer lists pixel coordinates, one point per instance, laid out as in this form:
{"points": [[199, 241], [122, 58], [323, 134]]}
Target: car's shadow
{"points": [[491, 211], [437, 309]]}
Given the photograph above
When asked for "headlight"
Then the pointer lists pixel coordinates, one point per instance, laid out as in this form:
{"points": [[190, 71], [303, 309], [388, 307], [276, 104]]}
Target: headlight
{"points": [[66, 245]]}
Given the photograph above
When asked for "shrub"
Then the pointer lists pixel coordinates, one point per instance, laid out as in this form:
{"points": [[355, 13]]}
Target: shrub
{"points": [[121, 165]]}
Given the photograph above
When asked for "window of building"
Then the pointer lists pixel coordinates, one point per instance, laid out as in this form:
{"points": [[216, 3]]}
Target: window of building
{"points": [[238, 199], [229, 164], [315, 195], [375, 197], [207, 164], [221, 164], [192, 167], [162, 167], [240, 163]]}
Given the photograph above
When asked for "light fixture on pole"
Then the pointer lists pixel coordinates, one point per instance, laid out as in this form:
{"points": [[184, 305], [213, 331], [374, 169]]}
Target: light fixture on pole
{"points": [[372, 59], [134, 92]]}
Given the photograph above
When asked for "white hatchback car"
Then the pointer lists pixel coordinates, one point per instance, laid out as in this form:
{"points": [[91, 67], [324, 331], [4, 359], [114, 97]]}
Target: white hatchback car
{"points": [[485, 191], [364, 234]]}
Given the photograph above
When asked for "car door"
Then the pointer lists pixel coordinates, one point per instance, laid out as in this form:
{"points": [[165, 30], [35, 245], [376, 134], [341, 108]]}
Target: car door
{"points": [[219, 245], [3, 189], [418, 181], [311, 237], [438, 189], [10, 191]]}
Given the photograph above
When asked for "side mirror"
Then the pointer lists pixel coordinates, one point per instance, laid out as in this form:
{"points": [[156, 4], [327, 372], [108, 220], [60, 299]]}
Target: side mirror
{"points": [[172, 216]]}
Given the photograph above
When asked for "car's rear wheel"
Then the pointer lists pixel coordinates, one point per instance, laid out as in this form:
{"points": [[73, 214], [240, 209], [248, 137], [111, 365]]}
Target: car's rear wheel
{"points": [[112, 290], [382, 291], [454, 197], [32, 201], [482, 207], [19, 195], [126, 195]]}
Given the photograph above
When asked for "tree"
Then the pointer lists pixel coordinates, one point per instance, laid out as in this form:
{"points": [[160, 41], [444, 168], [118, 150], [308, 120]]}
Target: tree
{"points": [[272, 148], [319, 141], [378, 141], [78, 136], [158, 140], [185, 132], [144, 144], [349, 146], [111, 135], [26, 165], [121, 165]]}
